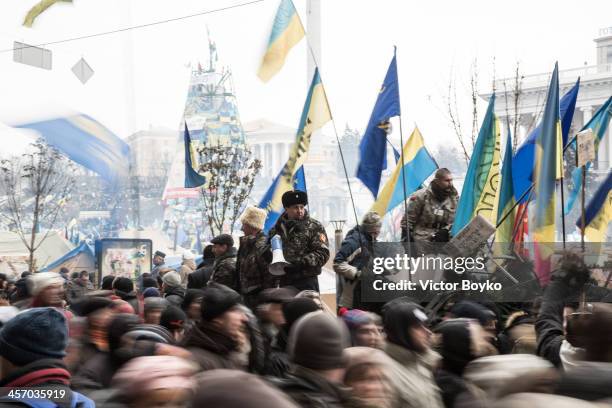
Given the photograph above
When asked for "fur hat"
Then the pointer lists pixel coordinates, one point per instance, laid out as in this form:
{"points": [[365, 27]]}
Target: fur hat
{"points": [[41, 280], [371, 221], [294, 197], [254, 217]]}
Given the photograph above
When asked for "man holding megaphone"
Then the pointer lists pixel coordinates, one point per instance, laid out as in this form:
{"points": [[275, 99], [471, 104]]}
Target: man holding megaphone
{"points": [[304, 243]]}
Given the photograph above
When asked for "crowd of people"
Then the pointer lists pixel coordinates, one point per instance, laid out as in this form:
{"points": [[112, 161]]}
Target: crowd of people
{"points": [[227, 333]]}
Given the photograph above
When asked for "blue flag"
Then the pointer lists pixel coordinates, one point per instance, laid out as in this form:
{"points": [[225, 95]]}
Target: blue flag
{"points": [[524, 158], [86, 142], [373, 146], [192, 178], [599, 125]]}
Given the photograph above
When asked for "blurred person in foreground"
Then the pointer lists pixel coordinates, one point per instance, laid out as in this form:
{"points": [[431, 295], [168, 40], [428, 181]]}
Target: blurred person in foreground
{"points": [[365, 328], [367, 374]]}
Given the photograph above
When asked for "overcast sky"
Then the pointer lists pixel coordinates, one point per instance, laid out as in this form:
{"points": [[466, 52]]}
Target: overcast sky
{"points": [[141, 76]]}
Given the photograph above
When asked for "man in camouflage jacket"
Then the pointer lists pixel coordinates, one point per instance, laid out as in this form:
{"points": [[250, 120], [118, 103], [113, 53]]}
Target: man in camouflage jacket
{"points": [[253, 257], [305, 244], [224, 267], [431, 211]]}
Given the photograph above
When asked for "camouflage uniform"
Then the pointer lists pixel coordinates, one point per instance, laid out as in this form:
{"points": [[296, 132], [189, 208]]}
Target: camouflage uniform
{"points": [[305, 247], [252, 266], [224, 269], [427, 215]]}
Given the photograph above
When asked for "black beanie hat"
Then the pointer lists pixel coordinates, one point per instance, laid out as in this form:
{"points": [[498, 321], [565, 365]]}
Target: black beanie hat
{"points": [[296, 308], [124, 285], [398, 317], [149, 282], [317, 341], [172, 318], [89, 304], [107, 282], [35, 334], [216, 300]]}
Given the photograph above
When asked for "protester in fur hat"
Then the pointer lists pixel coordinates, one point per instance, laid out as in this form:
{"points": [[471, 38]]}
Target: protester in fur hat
{"points": [[29, 359], [409, 345], [353, 257], [253, 259], [218, 334], [305, 244], [316, 348]]}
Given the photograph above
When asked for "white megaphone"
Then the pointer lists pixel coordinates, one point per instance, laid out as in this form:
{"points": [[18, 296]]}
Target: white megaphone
{"points": [[277, 267]]}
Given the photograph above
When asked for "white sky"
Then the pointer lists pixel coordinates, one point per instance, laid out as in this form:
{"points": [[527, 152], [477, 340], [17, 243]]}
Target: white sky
{"points": [[141, 76]]}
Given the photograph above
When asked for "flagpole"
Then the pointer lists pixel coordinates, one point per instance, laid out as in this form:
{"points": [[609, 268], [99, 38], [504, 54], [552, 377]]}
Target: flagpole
{"points": [[562, 204], [582, 209]]}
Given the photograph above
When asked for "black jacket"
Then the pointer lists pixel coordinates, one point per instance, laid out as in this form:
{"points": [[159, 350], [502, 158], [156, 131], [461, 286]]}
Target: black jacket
{"points": [[199, 278]]}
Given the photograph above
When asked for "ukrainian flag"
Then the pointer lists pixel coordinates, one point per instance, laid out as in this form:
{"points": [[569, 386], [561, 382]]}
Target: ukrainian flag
{"points": [[418, 165], [86, 142], [506, 196], [598, 213], [287, 31], [479, 194], [315, 114]]}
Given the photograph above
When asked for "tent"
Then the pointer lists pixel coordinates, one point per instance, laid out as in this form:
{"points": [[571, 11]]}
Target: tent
{"points": [[79, 259], [14, 254]]}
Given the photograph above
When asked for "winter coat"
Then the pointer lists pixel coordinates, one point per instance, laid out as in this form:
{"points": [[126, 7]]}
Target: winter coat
{"points": [[199, 278], [252, 264], [353, 256], [426, 215], [412, 375], [224, 270], [46, 374], [188, 266], [211, 348], [174, 295], [305, 247], [310, 390]]}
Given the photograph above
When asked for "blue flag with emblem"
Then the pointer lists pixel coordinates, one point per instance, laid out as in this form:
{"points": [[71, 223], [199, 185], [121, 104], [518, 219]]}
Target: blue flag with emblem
{"points": [[192, 178], [373, 146]]}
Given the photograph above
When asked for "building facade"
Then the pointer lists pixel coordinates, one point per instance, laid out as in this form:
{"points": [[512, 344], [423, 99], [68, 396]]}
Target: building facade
{"points": [[152, 151]]}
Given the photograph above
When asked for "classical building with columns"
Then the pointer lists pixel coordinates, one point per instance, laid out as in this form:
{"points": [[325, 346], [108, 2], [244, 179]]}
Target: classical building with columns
{"points": [[595, 89]]}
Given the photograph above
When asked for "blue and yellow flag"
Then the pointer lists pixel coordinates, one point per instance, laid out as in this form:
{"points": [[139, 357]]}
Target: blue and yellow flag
{"points": [[373, 145], [315, 114], [192, 178], [479, 193], [418, 165], [506, 196], [287, 31], [86, 142], [598, 213], [547, 166], [599, 125]]}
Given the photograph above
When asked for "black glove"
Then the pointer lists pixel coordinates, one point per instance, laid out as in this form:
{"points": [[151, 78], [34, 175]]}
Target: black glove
{"points": [[572, 271], [293, 269], [441, 235]]}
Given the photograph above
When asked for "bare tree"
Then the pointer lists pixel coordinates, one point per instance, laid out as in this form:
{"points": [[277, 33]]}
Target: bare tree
{"points": [[230, 174], [37, 186]]}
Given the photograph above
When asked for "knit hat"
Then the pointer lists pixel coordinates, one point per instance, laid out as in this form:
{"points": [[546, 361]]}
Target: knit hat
{"points": [[223, 239], [154, 303], [172, 279], [371, 221], [34, 334], [41, 280], [150, 292], [148, 373], [216, 300], [296, 308], [294, 197], [123, 284], [217, 388], [107, 282], [317, 341], [151, 332], [398, 316], [172, 318], [254, 217], [90, 304]]}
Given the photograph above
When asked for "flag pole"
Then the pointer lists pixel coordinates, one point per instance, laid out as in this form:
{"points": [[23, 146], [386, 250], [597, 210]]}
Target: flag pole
{"points": [[562, 203], [582, 209]]}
